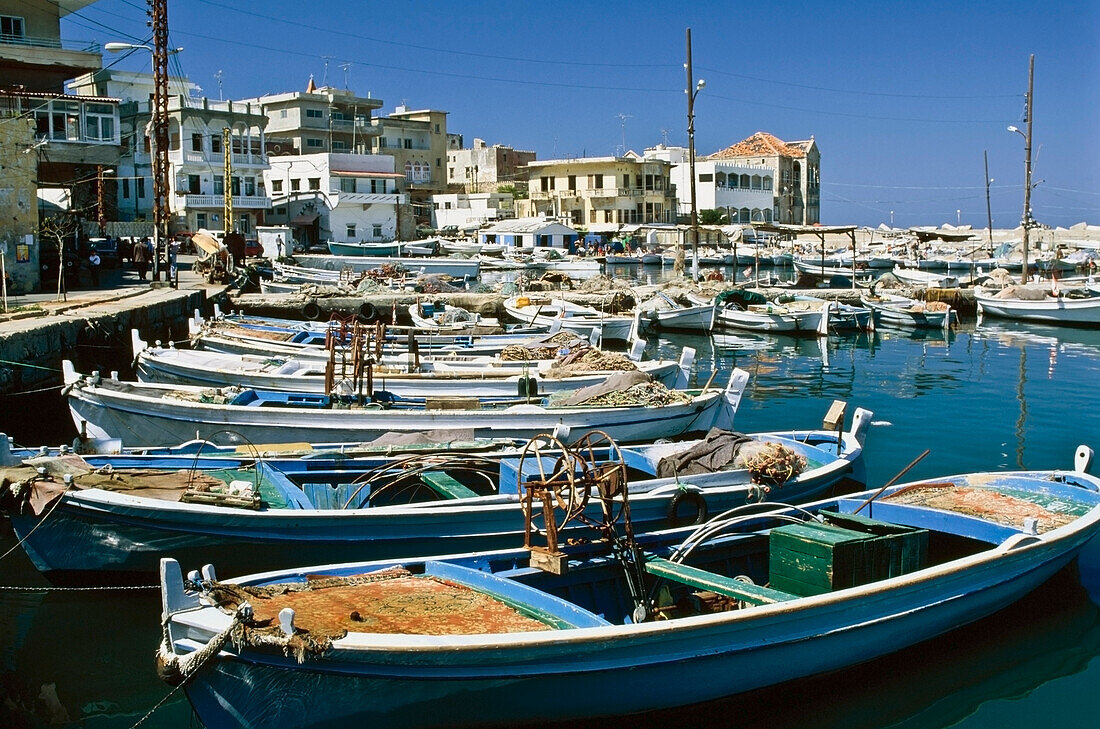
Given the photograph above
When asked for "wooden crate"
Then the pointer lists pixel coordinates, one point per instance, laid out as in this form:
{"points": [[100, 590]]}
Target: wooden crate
{"points": [[813, 558]]}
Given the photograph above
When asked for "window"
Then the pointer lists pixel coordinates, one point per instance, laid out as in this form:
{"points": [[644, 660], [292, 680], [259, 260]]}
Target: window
{"points": [[196, 142], [347, 184], [438, 162], [216, 143], [626, 181], [437, 129], [193, 184], [351, 231], [706, 177], [315, 183], [126, 188], [295, 185], [282, 113], [200, 220], [314, 114], [250, 186], [407, 143], [11, 28], [235, 186], [598, 181], [572, 182], [339, 145], [99, 122], [244, 224], [377, 230], [281, 210], [276, 185], [219, 185], [547, 183], [141, 187], [314, 143]]}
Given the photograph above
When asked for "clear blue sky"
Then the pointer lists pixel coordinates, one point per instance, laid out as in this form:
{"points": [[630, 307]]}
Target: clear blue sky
{"points": [[902, 97]]}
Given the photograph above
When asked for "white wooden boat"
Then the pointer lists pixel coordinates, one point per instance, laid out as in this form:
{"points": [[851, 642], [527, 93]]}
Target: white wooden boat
{"points": [[1039, 306], [929, 279], [402, 375], [388, 248], [903, 311], [662, 312], [144, 414], [455, 267], [738, 309], [536, 309], [438, 317], [716, 612]]}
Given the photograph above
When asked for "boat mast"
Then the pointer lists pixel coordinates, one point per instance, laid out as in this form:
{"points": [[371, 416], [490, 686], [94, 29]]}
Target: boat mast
{"points": [[1028, 110]]}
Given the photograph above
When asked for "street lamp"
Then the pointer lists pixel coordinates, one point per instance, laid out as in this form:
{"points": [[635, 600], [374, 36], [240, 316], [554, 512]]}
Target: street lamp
{"points": [[691, 94]]}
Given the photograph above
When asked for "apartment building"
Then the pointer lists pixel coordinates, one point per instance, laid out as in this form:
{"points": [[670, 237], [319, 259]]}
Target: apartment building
{"points": [[601, 193], [418, 142], [318, 121], [196, 154], [484, 168]]}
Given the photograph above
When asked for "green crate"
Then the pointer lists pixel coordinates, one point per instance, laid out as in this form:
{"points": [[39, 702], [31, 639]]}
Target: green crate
{"points": [[905, 548]]}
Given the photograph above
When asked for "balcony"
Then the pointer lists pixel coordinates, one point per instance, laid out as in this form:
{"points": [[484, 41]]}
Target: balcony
{"points": [[240, 202], [366, 198]]}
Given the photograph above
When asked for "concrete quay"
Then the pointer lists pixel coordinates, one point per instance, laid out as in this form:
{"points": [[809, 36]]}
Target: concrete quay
{"points": [[91, 326]]}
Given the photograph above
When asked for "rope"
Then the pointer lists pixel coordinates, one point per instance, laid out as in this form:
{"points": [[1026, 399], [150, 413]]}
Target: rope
{"points": [[29, 588], [24, 364], [41, 521], [31, 392], [190, 664]]}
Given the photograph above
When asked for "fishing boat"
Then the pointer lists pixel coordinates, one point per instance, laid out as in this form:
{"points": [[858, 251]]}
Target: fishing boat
{"points": [[402, 375], [455, 267], [929, 279], [436, 316], [382, 500], [902, 311], [844, 317], [147, 414], [755, 597], [1079, 308], [389, 248], [752, 311], [531, 309], [664, 312]]}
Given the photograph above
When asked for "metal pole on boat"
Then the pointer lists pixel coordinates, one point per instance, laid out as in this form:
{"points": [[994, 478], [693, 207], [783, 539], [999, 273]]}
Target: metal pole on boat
{"points": [[894, 480], [988, 208], [691, 94]]}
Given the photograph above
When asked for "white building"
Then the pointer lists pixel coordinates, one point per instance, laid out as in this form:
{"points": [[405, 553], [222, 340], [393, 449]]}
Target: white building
{"points": [[347, 198], [529, 233], [759, 179], [470, 210]]}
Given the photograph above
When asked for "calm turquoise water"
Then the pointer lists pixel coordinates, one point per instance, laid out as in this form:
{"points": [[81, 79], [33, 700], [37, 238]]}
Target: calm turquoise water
{"points": [[983, 398]]}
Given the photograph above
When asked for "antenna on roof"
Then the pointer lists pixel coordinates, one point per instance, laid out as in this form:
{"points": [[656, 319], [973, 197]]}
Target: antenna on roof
{"points": [[345, 66], [622, 123], [664, 137], [324, 78], [218, 76]]}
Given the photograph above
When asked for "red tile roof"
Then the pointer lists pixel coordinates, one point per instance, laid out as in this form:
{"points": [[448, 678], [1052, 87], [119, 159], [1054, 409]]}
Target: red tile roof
{"points": [[764, 144]]}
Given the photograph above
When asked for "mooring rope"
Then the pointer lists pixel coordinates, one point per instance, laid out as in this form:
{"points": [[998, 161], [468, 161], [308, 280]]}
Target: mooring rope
{"points": [[56, 588]]}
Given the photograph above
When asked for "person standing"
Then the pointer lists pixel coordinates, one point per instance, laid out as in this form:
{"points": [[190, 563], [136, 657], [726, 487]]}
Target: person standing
{"points": [[141, 257], [93, 266]]}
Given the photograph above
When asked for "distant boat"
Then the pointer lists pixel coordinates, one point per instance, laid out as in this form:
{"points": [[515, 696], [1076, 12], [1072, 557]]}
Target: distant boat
{"points": [[663, 620], [533, 309], [389, 248], [662, 312], [929, 279], [741, 309], [906, 312]]}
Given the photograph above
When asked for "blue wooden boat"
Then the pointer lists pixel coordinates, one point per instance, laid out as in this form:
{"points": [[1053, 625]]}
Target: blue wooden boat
{"points": [[325, 508], [750, 600]]}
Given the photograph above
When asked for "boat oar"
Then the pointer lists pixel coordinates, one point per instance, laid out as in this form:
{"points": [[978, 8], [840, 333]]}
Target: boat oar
{"points": [[894, 480]]}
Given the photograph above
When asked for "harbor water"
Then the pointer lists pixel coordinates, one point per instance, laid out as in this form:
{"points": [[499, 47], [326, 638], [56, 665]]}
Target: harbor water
{"points": [[986, 396]]}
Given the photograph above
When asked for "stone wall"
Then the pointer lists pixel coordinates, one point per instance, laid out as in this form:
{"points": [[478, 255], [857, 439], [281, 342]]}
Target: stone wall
{"points": [[19, 205]]}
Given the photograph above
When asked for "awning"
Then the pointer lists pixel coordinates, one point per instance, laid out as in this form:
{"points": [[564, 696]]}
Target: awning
{"points": [[305, 219]]}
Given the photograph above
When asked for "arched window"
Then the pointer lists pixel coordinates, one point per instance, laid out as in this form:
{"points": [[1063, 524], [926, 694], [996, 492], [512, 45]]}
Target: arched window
{"points": [[745, 181], [756, 182], [720, 179], [767, 182], [745, 215]]}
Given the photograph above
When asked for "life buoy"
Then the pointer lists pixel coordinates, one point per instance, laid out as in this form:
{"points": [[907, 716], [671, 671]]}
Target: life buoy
{"points": [[311, 311], [366, 312], [695, 499]]}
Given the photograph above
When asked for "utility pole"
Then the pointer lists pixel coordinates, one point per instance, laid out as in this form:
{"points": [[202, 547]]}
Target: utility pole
{"points": [[227, 186], [988, 207], [1027, 159], [159, 23]]}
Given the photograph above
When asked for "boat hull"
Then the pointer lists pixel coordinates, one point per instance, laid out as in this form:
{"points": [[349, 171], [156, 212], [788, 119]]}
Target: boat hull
{"points": [[1061, 311]]}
